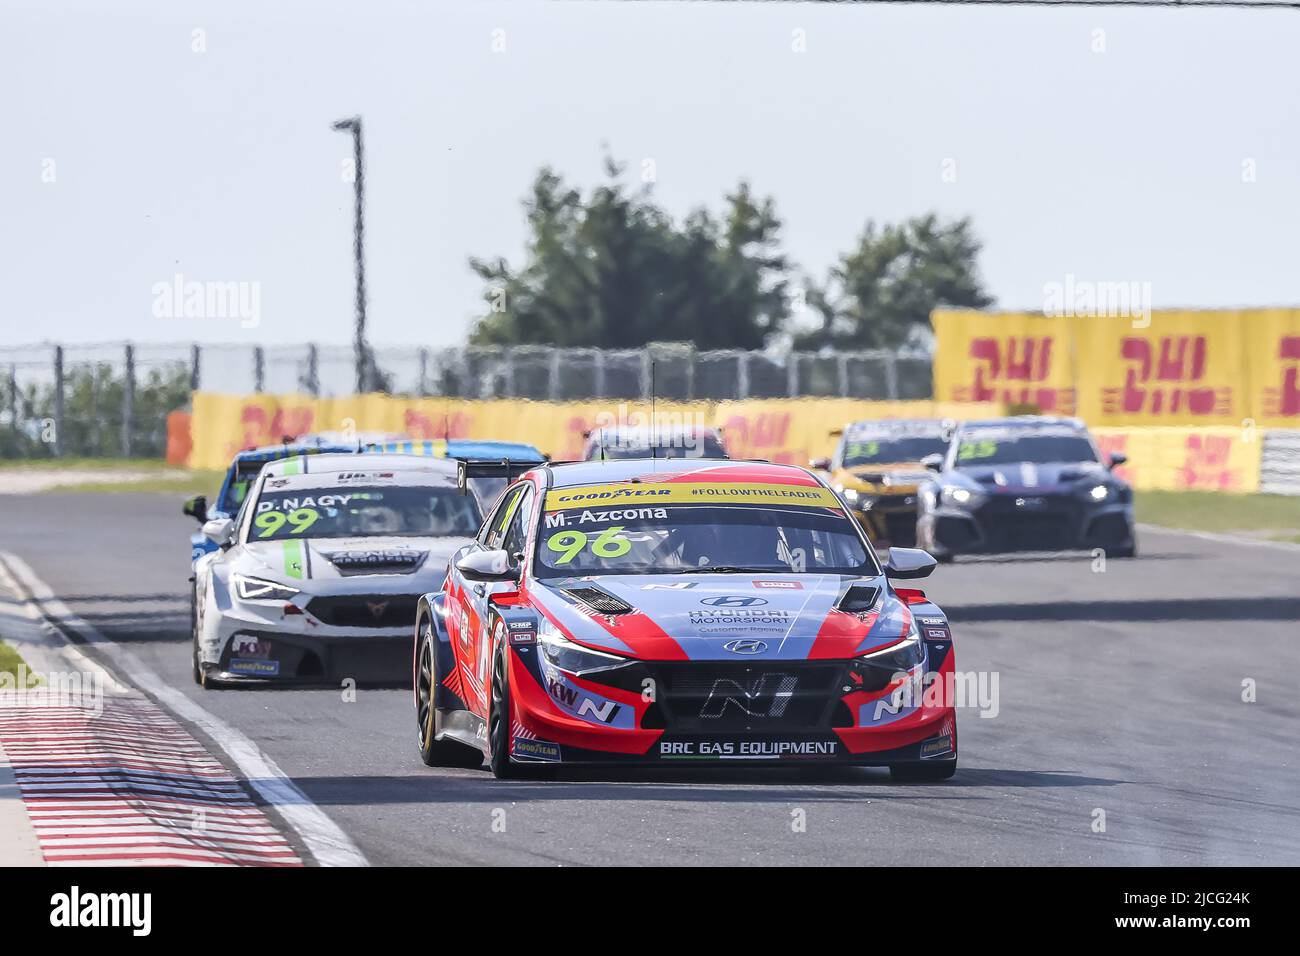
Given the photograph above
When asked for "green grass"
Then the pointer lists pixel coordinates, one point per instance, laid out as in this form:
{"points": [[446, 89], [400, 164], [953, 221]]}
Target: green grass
{"points": [[1276, 517], [10, 661], [170, 479], [184, 483], [85, 464]]}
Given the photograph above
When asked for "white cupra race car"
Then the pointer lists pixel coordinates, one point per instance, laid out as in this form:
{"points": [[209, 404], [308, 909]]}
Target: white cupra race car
{"points": [[316, 579]]}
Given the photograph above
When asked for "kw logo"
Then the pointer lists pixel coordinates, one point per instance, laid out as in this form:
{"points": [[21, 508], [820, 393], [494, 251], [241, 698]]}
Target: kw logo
{"points": [[568, 697], [765, 696]]}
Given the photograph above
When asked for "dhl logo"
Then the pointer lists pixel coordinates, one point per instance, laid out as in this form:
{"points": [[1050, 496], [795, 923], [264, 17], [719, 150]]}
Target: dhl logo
{"points": [[1207, 466], [260, 428], [1284, 398], [1000, 366], [1180, 361]]}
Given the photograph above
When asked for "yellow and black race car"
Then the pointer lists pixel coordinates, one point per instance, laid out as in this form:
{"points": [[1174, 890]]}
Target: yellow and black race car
{"points": [[877, 470]]}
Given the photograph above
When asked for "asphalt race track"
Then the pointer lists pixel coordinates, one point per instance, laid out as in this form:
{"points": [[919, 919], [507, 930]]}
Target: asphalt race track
{"points": [[1119, 691]]}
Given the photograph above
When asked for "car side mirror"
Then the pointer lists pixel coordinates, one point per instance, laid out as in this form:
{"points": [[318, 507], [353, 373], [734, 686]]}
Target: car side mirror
{"points": [[909, 563], [933, 462], [196, 508], [220, 531], [820, 464], [488, 566], [1117, 458]]}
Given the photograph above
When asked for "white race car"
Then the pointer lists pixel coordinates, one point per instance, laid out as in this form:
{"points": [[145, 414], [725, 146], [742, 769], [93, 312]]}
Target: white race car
{"points": [[316, 578]]}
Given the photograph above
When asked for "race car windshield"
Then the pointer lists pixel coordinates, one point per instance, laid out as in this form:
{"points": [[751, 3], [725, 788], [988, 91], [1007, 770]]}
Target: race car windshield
{"points": [[364, 511], [888, 451], [487, 490], [683, 446], [974, 450], [240, 482], [699, 538]]}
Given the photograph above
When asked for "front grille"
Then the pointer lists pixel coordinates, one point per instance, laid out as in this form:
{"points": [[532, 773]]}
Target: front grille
{"points": [[365, 610], [1041, 532], [786, 696]]}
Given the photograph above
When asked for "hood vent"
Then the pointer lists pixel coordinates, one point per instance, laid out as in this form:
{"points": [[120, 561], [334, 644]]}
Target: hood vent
{"points": [[602, 602], [390, 561], [859, 598]]}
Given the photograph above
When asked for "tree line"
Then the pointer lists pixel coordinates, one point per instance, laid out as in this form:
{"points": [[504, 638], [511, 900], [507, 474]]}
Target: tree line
{"points": [[611, 269]]}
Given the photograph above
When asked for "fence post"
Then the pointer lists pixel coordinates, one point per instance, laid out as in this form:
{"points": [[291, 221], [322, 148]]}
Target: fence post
{"points": [[195, 379], [792, 376], [645, 375], [128, 401], [508, 370], [13, 397], [424, 372], [313, 370], [600, 373], [554, 384], [259, 369], [742, 376], [58, 401], [891, 375], [842, 374]]}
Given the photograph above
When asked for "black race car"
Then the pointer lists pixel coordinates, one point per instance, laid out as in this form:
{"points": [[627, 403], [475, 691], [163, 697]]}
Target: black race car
{"points": [[1029, 483]]}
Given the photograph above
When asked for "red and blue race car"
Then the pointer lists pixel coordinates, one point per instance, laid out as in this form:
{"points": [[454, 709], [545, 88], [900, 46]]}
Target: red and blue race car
{"points": [[665, 612]]}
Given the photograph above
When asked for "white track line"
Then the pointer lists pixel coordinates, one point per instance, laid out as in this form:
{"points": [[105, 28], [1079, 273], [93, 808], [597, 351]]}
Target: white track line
{"points": [[1222, 538], [322, 837]]}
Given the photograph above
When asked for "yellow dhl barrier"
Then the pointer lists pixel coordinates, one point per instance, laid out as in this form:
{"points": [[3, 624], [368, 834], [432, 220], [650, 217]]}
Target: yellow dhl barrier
{"points": [[783, 430], [1171, 368], [1186, 459]]}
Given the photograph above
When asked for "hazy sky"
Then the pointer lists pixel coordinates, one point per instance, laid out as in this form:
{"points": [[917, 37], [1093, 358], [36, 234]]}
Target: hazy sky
{"points": [[1125, 164]]}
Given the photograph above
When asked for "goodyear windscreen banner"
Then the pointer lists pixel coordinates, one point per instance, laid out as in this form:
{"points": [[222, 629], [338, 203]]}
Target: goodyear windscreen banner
{"points": [[690, 492], [1161, 368]]}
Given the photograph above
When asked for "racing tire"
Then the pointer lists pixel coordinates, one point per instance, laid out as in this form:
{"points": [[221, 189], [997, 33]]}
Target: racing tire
{"points": [[435, 752], [922, 772], [1129, 552], [499, 719]]}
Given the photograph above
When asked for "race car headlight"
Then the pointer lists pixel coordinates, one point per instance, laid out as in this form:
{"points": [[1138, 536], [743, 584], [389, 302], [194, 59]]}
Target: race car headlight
{"points": [[900, 657], [570, 657], [1099, 492], [960, 497], [859, 500], [256, 589]]}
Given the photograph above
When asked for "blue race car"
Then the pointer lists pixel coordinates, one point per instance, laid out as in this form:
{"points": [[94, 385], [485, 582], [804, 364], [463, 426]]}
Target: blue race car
{"points": [[1028, 483]]}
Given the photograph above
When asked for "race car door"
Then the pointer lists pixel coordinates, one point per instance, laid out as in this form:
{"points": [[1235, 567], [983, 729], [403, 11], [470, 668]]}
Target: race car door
{"points": [[505, 529]]}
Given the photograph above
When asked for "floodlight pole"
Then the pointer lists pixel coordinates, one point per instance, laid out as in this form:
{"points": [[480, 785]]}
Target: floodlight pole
{"points": [[353, 125]]}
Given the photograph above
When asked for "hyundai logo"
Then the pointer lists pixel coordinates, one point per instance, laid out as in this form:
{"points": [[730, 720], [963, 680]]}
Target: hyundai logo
{"points": [[746, 646], [734, 600]]}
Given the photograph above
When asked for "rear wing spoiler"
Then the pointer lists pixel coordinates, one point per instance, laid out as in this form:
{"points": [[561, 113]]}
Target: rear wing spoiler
{"points": [[507, 468]]}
